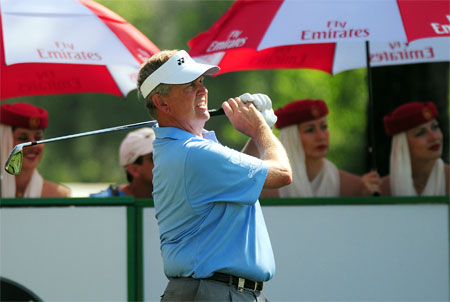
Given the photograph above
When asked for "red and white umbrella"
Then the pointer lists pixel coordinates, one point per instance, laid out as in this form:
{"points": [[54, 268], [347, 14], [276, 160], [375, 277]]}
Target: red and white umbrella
{"points": [[328, 35], [68, 46]]}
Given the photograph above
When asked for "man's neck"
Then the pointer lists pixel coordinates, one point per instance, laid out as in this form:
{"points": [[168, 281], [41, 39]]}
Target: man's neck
{"points": [[138, 191], [193, 126]]}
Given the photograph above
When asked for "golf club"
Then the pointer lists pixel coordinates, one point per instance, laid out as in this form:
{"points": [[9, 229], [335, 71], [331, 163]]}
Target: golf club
{"points": [[14, 163]]}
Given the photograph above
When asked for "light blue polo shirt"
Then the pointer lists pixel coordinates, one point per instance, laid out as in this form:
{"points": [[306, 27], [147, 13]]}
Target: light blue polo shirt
{"points": [[206, 202]]}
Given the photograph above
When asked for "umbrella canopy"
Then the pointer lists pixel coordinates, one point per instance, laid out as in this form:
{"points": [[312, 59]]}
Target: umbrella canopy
{"points": [[328, 35], [67, 46]]}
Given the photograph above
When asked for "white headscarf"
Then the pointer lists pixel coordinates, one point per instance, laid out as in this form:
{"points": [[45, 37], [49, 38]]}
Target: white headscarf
{"points": [[34, 188], [326, 184], [401, 180]]}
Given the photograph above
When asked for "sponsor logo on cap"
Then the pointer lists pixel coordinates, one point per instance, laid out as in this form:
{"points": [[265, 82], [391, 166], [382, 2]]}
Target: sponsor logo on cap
{"points": [[427, 114], [34, 122], [315, 111]]}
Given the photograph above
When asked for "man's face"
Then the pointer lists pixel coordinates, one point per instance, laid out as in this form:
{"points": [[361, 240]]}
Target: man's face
{"points": [[147, 168], [142, 170], [188, 103]]}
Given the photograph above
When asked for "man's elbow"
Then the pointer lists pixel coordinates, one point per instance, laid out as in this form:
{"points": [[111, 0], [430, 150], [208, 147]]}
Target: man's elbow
{"points": [[286, 178], [278, 179]]}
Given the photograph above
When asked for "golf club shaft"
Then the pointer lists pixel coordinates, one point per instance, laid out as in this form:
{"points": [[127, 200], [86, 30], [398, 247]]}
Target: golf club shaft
{"points": [[14, 162], [100, 131], [212, 112]]}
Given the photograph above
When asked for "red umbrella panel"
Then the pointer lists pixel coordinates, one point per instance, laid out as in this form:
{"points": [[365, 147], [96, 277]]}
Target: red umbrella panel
{"points": [[327, 35], [70, 46]]}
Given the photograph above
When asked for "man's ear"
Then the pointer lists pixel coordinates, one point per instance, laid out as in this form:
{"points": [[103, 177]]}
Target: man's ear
{"points": [[160, 103], [133, 169]]}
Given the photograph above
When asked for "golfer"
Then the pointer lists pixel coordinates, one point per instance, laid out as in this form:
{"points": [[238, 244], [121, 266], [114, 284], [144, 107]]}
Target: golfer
{"points": [[214, 241]]}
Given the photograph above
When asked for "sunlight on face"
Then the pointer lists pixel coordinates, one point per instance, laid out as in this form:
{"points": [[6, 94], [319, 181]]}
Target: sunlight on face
{"points": [[425, 141], [188, 102], [315, 138]]}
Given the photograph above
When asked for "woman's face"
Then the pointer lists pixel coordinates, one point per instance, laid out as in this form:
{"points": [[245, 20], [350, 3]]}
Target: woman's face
{"points": [[315, 138], [425, 141], [31, 155]]}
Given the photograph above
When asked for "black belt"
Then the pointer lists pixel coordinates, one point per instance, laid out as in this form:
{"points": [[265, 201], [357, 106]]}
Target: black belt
{"points": [[241, 283]]}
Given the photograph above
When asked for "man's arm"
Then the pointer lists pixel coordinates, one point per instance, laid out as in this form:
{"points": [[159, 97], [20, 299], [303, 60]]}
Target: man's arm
{"points": [[251, 149], [248, 120]]}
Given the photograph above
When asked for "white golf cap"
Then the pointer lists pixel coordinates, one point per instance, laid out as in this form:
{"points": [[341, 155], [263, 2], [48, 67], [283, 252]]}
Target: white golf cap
{"points": [[136, 143], [179, 69]]}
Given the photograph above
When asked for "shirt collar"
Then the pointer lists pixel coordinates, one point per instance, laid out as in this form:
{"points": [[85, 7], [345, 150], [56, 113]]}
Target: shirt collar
{"points": [[177, 133]]}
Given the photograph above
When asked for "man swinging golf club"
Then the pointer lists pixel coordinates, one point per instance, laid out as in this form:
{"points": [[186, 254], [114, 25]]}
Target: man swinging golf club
{"points": [[214, 241]]}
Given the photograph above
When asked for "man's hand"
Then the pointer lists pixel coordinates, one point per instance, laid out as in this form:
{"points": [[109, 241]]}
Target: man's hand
{"points": [[264, 105], [247, 119], [244, 117]]}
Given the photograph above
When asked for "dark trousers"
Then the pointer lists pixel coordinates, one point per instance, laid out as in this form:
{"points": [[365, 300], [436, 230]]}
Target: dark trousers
{"points": [[190, 289]]}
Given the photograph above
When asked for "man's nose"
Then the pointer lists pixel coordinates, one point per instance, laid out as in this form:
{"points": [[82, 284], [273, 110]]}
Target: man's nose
{"points": [[203, 87]]}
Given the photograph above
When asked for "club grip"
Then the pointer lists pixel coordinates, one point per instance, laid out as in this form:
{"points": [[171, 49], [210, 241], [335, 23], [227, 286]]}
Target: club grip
{"points": [[216, 112]]}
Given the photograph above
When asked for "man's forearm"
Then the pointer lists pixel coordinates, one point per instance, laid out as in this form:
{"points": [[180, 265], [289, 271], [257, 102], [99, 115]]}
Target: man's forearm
{"points": [[272, 151]]}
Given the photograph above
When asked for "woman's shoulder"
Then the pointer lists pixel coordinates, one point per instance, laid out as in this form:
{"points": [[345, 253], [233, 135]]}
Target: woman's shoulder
{"points": [[51, 189]]}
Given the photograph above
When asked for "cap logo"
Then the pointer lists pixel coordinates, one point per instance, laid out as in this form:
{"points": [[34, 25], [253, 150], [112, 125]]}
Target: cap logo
{"points": [[315, 111], [427, 114], [34, 122], [180, 61]]}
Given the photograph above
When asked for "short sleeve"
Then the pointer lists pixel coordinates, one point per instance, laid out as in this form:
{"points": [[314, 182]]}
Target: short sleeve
{"points": [[214, 173]]}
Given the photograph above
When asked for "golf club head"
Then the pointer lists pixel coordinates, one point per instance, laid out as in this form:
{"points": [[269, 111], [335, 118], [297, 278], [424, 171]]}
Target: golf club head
{"points": [[14, 163]]}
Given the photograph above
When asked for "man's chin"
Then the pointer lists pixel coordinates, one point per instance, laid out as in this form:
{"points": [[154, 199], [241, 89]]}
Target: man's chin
{"points": [[203, 111]]}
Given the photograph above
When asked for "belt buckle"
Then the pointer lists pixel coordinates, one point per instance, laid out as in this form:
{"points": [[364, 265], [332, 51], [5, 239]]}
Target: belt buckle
{"points": [[241, 283], [256, 286]]}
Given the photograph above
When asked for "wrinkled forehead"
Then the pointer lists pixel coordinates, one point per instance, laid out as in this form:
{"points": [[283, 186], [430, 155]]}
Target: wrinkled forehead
{"points": [[200, 78]]}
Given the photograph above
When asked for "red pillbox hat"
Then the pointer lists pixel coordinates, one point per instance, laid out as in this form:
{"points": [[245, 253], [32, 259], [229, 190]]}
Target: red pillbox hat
{"points": [[408, 116], [23, 115], [299, 112]]}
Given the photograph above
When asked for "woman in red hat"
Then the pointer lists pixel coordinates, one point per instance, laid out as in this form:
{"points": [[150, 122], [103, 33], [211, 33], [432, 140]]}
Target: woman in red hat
{"points": [[20, 123], [416, 167], [304, 134]]}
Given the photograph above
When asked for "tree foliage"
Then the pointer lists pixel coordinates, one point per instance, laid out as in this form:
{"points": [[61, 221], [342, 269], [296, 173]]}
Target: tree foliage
{"points": [[170, 24]]}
